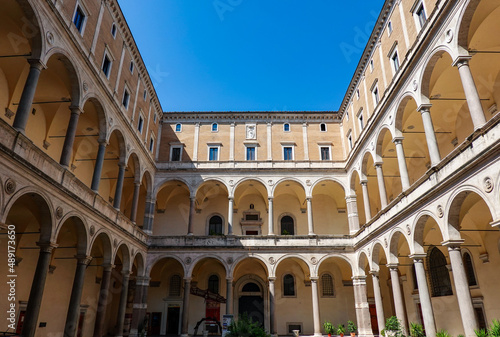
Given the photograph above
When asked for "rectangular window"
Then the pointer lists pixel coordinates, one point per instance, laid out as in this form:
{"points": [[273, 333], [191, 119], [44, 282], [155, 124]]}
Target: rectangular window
{"points": [[178, 127], [376, 97], [357, 93], [395, 61], [132, 67], [389, 28], [145, 94], [126, 98], [151, 144], [286, 127], [175, 153], [287, 153], [251, 153], [361, 122], [349, 141], [371, 65], [154, 118], [213, 153], [106, 65], [79, 19], [421, 15], [113, 30], [140, 125], [325, 153]]}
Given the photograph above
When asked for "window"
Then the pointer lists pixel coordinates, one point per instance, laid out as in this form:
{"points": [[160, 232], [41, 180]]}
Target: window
{"points": [[131, 67], [395, 61], [251, 153], [126, 98], [322, 127], [213, 153], [327, 285], [215, 225], [140, 125], [79, 19], [145, 94], [349, 140], [360, 120], [287, 225], [439, 274], [421, 16], [287, 153], [175, 153], [175, 286], [113, 30], [469, 269], [375, 94], [178, 127], [324, 152], [371, 65], [215, 127], [286, 127], [288, 285], [154, 118], [106, 65], [357, 93], [389, 27], [213, 284], [151, 144]]}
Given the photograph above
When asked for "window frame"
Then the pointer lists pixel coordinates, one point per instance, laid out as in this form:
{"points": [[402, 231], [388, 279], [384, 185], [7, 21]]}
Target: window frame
{"points": [[294, 285], [170, 286], [283, 147], [394, 58], [151, 143], [176, 146], [140, 123], [294, 223], [85, 14], [287, 127], [436, 274], [463, 252], [107, 55], [390, 29], [320, 127], [360, 119], [114, 29], [349, 140], [249, 146], [323, 287], [329, 148], [223, 227], [218, 283], [132, 66], [417, 8], [180, 127], [216, 129], [213, 146]]}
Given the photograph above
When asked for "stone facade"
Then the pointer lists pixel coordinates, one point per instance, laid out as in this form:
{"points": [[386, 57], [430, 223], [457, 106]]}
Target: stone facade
{"points": [[130, 219]]}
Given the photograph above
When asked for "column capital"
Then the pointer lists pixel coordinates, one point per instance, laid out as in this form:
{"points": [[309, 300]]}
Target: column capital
{"points": [[305, 124], [108, 266], [309, 198], [423, 108], [103, 142], [375, 273], [270, 198], [350, 197], [37, 63], [398, 140], [272, 278], [461, 61], [46, 247], [142, 280], [418, 258], [84, 259], [121, 165], [230, 198], [229, 279], [495, 224], [269, 124], [359, 280], [453, 244], [75, 110], [187, 279], [393, 266], [314, 278], [363, 182], [126, 273], [378, 164]]}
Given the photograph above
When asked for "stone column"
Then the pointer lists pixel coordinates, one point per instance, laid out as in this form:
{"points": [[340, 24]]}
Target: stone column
{"points": [[140, 303], [430, 135], [24, 107], [270, 219], [230, 211], [135, 202], [362, 308], [192, 205], [379, 305], [403, 170], [120, 321], [310, 224], [398, 296], [315, 305], [76, 294], [96, 178], [471, 94], [103, 301], [70, 136], [185, 308], [461, 287], [272, 307], [119, 186], [229, 296], [381, 185], [366, 200], [352, 213], [423, 294], [37, 287]]}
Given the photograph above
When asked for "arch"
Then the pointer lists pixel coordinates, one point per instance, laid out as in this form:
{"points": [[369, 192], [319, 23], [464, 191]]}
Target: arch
{"points": [[282, 180], [395, 237], [333, 255], [147, 176], [105, 239], [125, 251], [238, 288], [141, 268], [198, 259], [379, 140], [307, 269], [261, 260], [136, 162], [81, 231], [325, 179], [363, 261], [464, 23], [211, 179], [152, 262], [418, 230], [101, 114], [377, 248], [247, 186], [364, 161], [42, 201], [122, 150], [401, 104], [241, 181], [428, 67]]}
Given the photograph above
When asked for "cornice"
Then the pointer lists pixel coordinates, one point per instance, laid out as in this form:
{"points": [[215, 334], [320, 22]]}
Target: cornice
{"points": [[249, 116]]}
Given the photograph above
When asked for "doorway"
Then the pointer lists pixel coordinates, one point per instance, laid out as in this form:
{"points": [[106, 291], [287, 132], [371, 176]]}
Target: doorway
{"points": [[173, 319], [251, 303]]}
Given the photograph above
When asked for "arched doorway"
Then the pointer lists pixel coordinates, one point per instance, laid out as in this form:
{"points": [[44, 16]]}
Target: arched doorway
{"points": [[251, 302]]}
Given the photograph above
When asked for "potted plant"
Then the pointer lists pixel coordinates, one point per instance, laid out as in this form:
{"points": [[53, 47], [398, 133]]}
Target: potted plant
{"points": [[351, 328], [494, 329], [442, 333], [329, 328], [392, 326], [416, 330], [481, 333], [341, 330]]}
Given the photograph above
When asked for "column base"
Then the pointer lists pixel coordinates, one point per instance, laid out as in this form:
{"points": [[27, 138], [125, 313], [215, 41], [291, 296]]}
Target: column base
{"points": [[318, 334], [184, 335]]}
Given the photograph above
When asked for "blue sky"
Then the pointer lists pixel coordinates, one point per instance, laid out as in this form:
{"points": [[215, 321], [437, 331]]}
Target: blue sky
{"points": [[255, 55]]}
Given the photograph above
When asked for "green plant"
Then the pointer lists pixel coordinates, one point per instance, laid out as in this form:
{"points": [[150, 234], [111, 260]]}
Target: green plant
{"points": [[285, 232], [442, 333], [494, 329], [481, 332], [351, 327], [416, 330], [382, 332], [340, 329], [393, 324], [460, 336], [329, 327], [244, 327]]}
